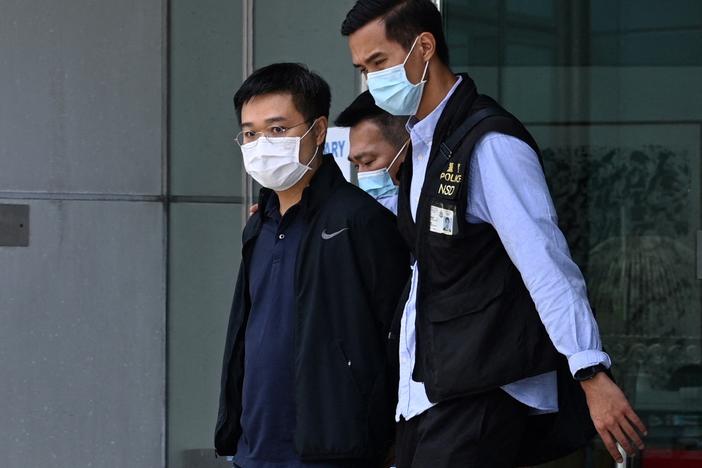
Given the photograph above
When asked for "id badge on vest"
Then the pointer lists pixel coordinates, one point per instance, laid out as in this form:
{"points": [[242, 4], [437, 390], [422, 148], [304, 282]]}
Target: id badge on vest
{"points": [[443, 218], [443, 215]]}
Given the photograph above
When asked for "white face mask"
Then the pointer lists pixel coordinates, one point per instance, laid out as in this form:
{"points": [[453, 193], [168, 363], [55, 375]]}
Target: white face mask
{"points": [[275, 162]]}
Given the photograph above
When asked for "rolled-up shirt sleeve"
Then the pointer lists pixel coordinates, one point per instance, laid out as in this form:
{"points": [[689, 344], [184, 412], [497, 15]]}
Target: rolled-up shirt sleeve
{"points": [[508, 190]]}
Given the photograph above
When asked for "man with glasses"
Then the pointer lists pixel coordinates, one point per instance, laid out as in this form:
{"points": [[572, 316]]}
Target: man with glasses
{"points": [[496, 328], [305, 380]]}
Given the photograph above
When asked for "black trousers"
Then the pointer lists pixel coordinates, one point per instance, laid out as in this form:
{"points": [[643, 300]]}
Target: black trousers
{"points": [[479, 431]]}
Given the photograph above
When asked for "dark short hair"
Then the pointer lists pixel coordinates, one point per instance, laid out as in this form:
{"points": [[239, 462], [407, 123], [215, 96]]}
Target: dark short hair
{"points": [[309, 91], [404, 21], [363, 108]]}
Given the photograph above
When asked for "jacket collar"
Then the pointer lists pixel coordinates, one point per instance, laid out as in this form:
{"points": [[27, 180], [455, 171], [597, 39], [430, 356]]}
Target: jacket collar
{"points": [[322, 184]]}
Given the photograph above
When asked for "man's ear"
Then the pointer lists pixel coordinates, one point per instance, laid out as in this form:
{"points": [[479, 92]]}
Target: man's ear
{"points": [[427, 43], [320, 130]]}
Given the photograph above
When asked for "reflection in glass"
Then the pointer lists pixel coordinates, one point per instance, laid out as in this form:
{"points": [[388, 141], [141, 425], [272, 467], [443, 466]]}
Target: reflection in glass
{"points": [[607, 88]]}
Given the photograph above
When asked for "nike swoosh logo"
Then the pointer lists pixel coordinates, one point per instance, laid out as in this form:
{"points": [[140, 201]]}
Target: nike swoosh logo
{"points": [[327, 236]]}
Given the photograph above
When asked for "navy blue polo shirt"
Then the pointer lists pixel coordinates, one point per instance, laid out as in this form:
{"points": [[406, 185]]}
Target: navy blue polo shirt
{"points": [[268, 406]]}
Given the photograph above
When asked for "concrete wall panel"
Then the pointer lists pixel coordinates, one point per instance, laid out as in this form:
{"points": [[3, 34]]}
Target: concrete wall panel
{"points": [[82, 337], [80, 87]]}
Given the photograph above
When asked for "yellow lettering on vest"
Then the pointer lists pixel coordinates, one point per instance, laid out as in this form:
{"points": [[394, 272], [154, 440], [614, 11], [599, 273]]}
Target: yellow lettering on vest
{"points": [[453, 178], [447, 190]]}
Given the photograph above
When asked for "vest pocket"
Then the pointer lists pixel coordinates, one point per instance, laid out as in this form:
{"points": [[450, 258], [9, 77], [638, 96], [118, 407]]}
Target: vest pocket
{"points": [[452, 306], [471, 344]]}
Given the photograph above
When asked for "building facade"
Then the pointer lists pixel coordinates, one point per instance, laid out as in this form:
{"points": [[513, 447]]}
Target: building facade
{"points": [[122, 198]]}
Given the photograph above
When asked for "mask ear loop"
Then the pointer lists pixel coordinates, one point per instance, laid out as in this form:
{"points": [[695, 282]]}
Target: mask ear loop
{"points": [[314, 122], [424, 75], [410, 51], [397, 155], [426, 65], [316, 149]]}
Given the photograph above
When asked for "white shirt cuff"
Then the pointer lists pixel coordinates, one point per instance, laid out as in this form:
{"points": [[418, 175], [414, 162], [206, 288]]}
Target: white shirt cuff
{"points": [[591, 357]]}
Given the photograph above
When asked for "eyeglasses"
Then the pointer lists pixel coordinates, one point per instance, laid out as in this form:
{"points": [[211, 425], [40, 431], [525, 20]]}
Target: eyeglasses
{"points": [[272, 132]]}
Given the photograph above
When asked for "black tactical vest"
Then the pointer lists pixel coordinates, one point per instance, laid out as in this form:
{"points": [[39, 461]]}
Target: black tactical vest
{"points": [[477, 327]]}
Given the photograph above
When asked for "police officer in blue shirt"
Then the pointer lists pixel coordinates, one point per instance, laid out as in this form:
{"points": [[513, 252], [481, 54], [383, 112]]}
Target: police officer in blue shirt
{"points": [[496, 335]]}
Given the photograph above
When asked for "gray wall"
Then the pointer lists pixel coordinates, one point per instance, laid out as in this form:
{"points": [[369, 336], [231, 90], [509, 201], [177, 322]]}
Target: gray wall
{"points": [[83, 306], [204, 70], [205, 224], [116, 128], [308, 33]]}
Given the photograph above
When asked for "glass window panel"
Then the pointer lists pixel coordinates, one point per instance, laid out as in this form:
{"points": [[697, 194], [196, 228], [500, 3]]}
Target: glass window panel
{"points": [[654, 14], [204, 255], [579, 33], [540, 9], [475, 9], [204, 71], [525, 47], [610, 91], [661, 48], [478, 44]]}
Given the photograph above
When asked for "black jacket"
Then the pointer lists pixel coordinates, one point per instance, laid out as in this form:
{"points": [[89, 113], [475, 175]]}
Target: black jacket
{"points": [[351, 268]]}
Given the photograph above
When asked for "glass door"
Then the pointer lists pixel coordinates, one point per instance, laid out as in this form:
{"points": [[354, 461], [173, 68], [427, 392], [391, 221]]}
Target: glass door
{"points": [[610, 89]]}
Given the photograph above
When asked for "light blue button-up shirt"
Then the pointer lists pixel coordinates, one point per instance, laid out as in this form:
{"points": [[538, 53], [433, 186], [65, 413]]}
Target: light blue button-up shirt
{"points": [[389, 202], [508, 190]]}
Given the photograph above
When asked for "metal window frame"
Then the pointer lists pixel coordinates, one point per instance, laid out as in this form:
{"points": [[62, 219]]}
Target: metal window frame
{"points": [[247, 67]]}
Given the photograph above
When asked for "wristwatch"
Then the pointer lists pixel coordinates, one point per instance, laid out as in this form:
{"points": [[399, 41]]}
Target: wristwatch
{"points": [[588, 373]]}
